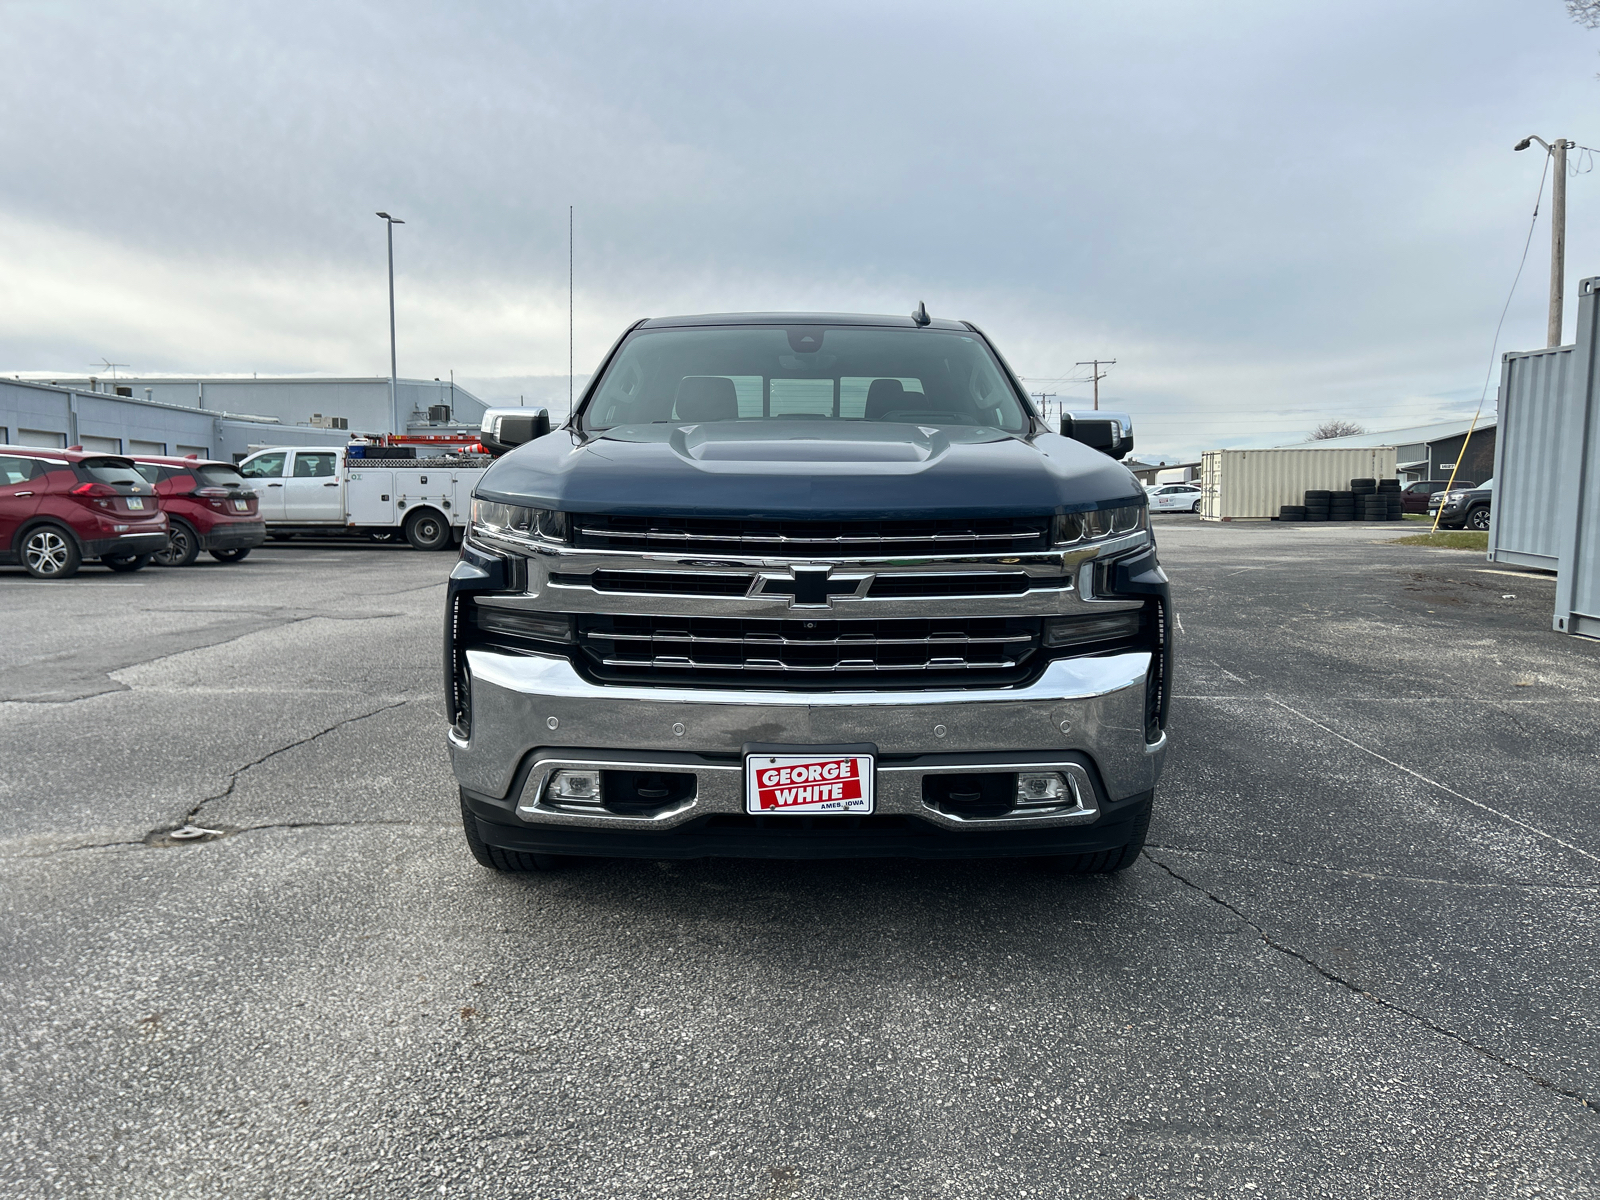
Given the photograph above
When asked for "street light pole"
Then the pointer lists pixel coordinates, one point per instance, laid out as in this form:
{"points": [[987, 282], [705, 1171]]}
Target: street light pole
{"points": [[1558, 231], [394, 414]]}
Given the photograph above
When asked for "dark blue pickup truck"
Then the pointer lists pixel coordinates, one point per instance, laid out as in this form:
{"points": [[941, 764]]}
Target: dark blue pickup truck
{"points": [[807, 585]]}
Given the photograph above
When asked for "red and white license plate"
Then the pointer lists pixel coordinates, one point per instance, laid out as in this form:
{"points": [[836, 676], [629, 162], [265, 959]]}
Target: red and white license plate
{"points": [[808, 783], [241, 506]]}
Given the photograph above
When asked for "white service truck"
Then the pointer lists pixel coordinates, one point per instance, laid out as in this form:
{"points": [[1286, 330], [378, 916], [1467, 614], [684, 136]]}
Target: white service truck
{"points": [[324, 489]]}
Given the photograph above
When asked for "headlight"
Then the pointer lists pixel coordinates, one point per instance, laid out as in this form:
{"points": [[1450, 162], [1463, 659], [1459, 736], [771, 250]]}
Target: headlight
{"points": [[512, 520], [1071, 528]]}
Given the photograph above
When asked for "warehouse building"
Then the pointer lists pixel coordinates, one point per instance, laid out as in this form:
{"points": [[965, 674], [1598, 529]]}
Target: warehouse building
{"points": [[224, 418], [1427, 451]]}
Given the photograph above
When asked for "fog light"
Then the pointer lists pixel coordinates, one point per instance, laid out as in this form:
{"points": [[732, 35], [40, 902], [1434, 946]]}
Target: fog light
{"points": [[1049, 789], [574, 787]]}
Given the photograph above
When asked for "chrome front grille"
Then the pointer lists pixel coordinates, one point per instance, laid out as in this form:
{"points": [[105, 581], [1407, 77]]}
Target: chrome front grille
{"points": [[854, 539], [826, 653]]}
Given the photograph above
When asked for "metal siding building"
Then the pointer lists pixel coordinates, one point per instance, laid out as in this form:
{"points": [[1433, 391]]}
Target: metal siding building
{"points": [[294, 400], [224, 418], [1527, 488], [1427, 451], [1242, 485]]}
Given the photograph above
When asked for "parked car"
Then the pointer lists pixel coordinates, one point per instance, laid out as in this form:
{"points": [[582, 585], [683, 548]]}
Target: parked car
{"points": [[1414, 497], [59, 508], [808, 586], [209, 507], [1175, 497], [1464, 508]]}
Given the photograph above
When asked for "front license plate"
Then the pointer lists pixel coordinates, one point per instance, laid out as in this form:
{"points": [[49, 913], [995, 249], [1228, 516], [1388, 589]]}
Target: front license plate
{"points": [[135, 502], [808, 783], [241, 506]]}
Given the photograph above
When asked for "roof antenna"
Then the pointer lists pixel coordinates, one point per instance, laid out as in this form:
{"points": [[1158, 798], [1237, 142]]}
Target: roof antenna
{"points": [[920, 317]]}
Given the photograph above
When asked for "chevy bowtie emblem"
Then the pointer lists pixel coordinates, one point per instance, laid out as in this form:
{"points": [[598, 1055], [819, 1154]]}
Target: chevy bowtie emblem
{"points": [[811, 587]]}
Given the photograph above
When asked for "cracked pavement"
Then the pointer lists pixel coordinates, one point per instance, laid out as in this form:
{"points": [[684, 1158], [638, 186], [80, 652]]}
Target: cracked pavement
{"points": [[1357, 959]]}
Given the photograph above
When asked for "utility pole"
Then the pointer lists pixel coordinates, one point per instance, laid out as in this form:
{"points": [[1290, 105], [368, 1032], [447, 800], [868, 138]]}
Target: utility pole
{"points": [[1044, 403], [1096, 363], [569, 310], [394, 413], [1558, 230]]}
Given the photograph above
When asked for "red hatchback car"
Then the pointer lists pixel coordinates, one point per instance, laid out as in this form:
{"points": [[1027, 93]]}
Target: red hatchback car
{"points": [[209, 506], [60, 507]]}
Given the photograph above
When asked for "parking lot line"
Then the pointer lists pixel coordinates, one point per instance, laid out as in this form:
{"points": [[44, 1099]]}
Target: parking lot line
{"points": [[1436, 784]]}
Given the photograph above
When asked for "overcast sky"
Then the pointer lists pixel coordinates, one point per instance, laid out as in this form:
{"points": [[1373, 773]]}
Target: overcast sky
{"points": [[1267, 213]]}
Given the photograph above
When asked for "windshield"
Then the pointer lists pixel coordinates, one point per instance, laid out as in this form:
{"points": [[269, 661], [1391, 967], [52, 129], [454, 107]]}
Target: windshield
{"points": [[805, 373]]}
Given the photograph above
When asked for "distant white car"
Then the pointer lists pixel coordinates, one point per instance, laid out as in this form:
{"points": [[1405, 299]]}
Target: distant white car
{"points": [[1174, 497]]}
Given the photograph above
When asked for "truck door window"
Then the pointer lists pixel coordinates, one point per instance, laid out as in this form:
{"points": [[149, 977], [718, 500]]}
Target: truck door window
{"points": [[264, 466], [313, 466]]}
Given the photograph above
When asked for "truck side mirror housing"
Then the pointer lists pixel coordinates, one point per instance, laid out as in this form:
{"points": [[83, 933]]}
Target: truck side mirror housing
{"points": [[1109, 433], [506, 428]]}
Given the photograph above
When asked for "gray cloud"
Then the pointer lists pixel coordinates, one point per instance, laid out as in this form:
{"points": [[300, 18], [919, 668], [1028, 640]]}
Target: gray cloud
{"points": [[1266, 213]]}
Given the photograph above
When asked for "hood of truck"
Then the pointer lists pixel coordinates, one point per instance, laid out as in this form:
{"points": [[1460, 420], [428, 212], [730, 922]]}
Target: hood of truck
{"points": [[824, 469]]}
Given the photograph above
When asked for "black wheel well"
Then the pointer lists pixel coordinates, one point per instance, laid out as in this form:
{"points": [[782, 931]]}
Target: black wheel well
{"points": [[33, 523], [425, 509]]}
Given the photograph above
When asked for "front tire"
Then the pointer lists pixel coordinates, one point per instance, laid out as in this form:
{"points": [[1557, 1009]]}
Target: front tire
{"points": [[496, 859], [126, 564], [1478, 519], [427, 531], [50, 553], [183, 547], [230, 556]]}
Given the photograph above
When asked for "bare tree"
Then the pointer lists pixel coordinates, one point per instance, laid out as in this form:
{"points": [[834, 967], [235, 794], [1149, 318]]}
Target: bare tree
{"points": [[1335, 428], [1585, 12]]}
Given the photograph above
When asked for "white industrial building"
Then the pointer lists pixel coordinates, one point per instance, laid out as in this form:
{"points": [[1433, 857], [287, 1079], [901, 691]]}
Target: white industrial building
{"points": [[224, 417]]}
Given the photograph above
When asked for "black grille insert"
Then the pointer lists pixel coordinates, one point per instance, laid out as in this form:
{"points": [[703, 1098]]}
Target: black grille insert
{"points": [[849, 539], [735, 651]]}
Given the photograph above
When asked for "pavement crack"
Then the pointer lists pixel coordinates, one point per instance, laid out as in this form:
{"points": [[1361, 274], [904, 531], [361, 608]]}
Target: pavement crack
{"points": [[234, 776], [1357, 990]]}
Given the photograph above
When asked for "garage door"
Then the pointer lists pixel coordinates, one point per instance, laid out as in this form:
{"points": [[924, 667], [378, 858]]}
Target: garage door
{"points": [[41, 437], [102, 445], [155, 448], [198, 451]]}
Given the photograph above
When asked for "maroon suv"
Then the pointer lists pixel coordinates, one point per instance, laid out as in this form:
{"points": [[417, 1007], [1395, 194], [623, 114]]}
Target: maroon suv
{"points": [[60, 507], [209, 506]]}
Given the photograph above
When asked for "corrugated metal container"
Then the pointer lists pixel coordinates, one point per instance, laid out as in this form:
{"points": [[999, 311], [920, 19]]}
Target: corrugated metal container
{"points": [[1242, 485], [1527, 489], [1577, 513]]}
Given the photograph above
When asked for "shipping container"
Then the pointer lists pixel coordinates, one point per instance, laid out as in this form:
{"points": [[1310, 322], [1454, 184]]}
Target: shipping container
{"points": [[1577, 512], [1534, 387], [1244, 485]]}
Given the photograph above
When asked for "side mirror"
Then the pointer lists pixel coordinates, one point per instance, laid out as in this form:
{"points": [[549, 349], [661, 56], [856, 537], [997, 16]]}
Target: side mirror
{"points": [[1109, 433], [506, 428]]}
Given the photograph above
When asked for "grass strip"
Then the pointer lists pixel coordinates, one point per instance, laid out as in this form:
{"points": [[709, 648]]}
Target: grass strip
{"points": [[1448, 539]]}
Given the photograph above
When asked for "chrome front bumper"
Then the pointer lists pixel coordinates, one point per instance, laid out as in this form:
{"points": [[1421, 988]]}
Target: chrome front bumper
{"points": [[531, 713]]}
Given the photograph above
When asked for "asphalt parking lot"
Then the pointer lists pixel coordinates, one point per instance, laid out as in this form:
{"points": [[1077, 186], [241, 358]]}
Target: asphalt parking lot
{"points": [[1358, 959]]}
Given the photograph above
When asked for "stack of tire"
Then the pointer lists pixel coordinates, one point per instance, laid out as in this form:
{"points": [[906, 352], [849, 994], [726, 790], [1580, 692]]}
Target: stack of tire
{"points": [[1317, 505], [1341, 506], [1375, 502], [1292, 512], [1389, 489]]}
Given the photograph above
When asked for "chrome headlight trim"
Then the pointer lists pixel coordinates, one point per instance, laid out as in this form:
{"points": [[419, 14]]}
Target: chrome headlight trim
{"points": [[1077, 529], [492, 519]]}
